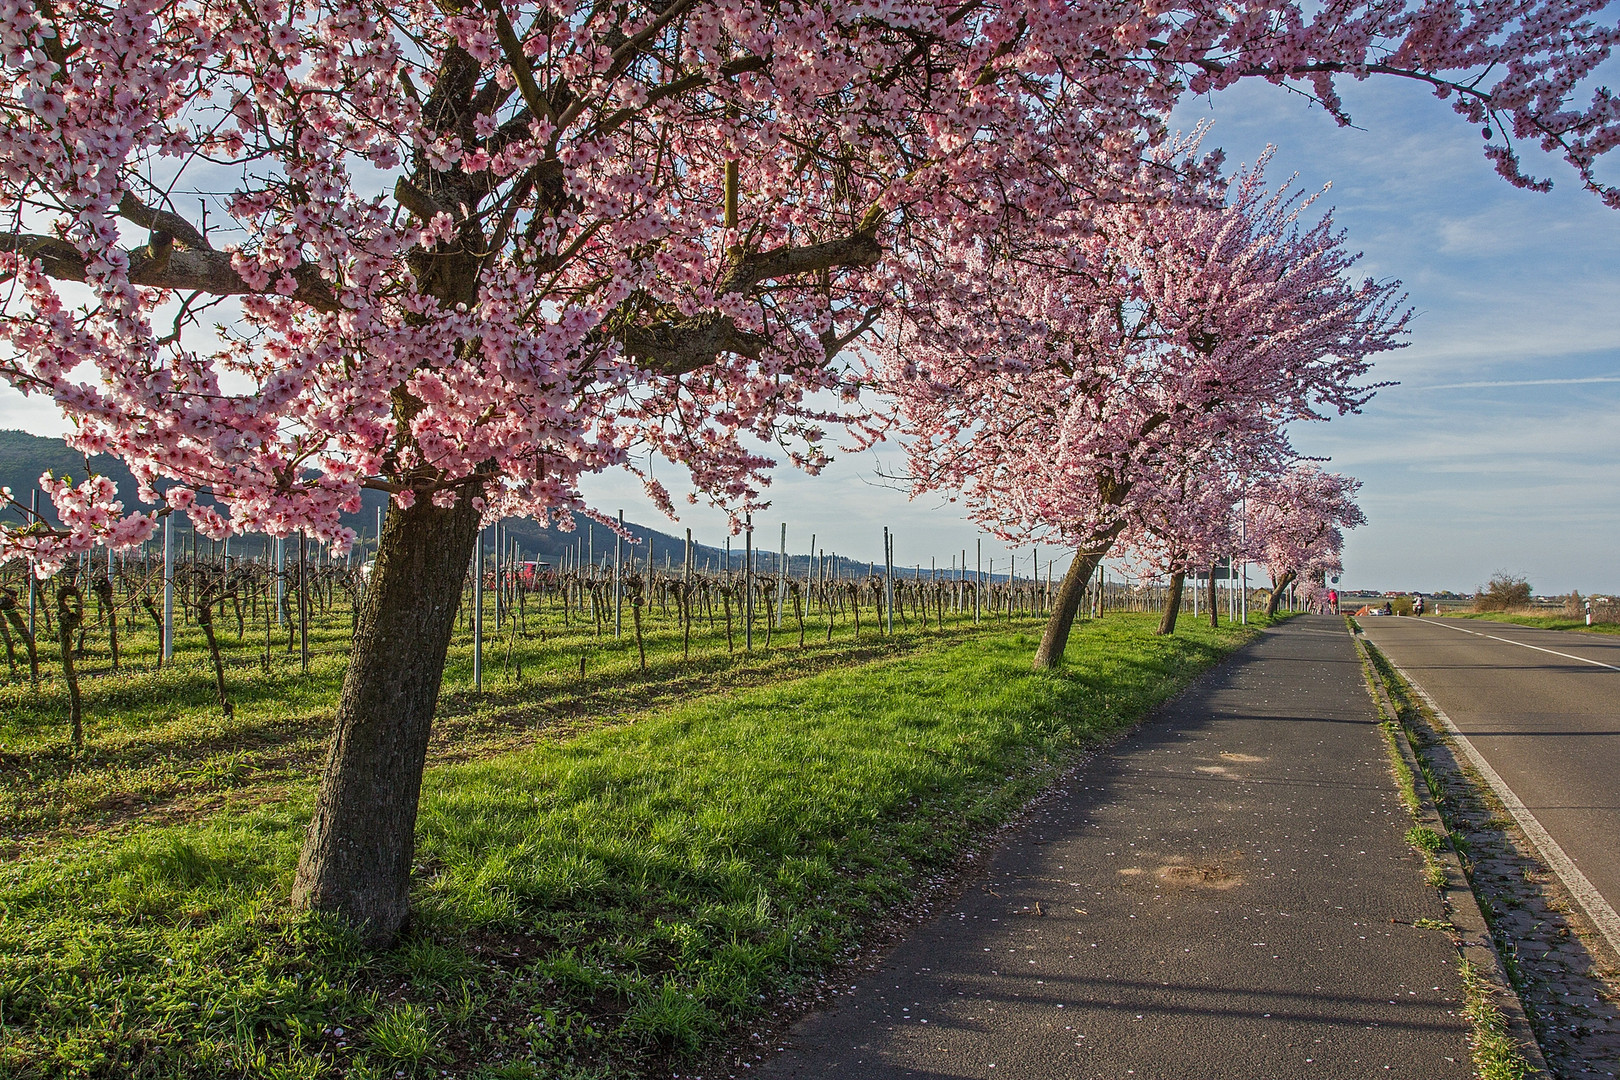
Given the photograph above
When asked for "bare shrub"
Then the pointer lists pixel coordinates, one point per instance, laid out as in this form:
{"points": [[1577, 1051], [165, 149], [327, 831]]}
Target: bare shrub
{"points": [[1504, 592]]}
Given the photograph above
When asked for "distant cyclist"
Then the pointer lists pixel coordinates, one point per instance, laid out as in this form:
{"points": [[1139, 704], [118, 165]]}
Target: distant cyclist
{"points": [[1417, 605]]}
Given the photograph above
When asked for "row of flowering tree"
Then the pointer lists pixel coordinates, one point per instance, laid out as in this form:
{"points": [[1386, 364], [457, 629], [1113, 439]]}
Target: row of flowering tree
{"points": [[1291, 521], [1133, 374], [468, 253]]}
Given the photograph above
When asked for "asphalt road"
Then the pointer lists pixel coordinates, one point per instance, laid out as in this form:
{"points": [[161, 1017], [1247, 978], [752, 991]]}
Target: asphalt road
{"points": [[1542, 709], [1224, 894]]}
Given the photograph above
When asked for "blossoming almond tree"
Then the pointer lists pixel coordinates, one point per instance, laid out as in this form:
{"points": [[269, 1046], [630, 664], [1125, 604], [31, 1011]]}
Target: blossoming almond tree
{"points": [[1296, 525], [469, 251], [1188, 526], [1174, 344]]}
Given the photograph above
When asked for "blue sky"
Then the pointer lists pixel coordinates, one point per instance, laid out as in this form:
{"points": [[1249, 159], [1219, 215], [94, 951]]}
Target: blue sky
{"points": [[1500, 448]]}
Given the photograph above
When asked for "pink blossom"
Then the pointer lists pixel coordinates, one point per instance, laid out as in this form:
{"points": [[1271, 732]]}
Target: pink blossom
{"points": [[436, 274]]}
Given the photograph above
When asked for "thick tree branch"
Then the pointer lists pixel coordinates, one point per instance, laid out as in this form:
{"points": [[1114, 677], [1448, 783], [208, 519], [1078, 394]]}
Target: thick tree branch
{"points": [[512, 49], [424, 206], [163, 221], [677, 348], [160, 265], [860, 249]]}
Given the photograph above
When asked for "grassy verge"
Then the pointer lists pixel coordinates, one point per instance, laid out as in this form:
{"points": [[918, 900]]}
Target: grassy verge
{"points": [[1546, 622], [605, 905], [1496, 1056]]}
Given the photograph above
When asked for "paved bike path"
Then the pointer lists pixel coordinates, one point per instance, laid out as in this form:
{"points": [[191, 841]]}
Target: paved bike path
{"points": [[1225, 893]]}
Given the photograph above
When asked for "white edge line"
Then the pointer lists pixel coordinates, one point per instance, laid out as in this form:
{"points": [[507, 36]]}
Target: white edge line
{"points": [[1597, 909], [1522, 644]]}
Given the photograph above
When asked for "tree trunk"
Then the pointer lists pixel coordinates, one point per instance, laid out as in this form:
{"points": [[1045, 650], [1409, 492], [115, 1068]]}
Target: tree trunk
{"points": [[356, 862], [1172, 604], [1066, 604], [1277, 591], [1214, 608]]}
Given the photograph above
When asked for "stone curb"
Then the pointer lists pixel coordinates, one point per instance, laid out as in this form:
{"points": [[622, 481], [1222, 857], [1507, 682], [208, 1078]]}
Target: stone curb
{"points": [[1473, 938]]}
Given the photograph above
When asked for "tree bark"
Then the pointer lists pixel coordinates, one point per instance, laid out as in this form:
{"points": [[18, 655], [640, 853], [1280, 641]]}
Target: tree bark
{"points": [[356, 862], [1070, 594], [1214, 608], [1172, 604], [1277, 591]]}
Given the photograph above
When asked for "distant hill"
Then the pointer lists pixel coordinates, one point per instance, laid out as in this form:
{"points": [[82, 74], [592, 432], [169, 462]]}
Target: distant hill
{"points": [[24, 457]]}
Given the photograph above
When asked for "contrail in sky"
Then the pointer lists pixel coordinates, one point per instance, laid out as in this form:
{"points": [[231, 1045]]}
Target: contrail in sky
{"points": [[1522, 382]]}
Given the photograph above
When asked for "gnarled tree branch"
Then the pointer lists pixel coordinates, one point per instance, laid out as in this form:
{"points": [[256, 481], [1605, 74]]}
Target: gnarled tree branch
{"points": [[159, 264], [860, 249], [675, 348]]}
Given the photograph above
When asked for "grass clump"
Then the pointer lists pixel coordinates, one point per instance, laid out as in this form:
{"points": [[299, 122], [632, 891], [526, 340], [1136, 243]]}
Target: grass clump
{"points": [[1496, 1055], [1425, 839], [603, 905], [406, 1035]]}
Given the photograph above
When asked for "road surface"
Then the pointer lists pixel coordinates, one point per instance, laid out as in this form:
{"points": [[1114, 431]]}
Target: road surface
{"points": [[1541, 709]]}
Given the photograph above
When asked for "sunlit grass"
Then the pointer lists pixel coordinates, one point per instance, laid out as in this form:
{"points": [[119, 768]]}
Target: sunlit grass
{"points": [[157, 742], [590, 906], [1546, 622]]}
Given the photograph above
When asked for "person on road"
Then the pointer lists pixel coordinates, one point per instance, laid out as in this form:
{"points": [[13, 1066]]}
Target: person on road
{"points": [[1417, 605]]}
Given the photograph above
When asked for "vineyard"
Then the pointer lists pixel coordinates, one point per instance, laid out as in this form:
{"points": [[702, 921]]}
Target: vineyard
{"points": [[259, 648], [409, 803]]}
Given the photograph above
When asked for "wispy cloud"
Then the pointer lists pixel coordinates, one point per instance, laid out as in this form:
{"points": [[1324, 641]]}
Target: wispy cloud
{"points": [[1486, 383]]}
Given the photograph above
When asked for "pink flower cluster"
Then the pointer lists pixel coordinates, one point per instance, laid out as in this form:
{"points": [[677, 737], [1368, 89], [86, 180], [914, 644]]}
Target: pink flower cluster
{"points": [[90, 515]]}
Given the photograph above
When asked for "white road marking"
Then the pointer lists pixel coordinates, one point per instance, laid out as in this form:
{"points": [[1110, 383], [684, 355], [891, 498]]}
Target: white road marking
{"points": [[1521, 644], [1597, 909]]}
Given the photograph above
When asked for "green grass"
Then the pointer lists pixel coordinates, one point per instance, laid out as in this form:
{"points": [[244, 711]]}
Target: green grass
{"points": [[1496, 1055], [158, 745], [1425, 839], [609, 904], [1546, 622]]}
